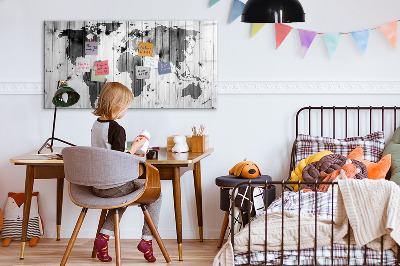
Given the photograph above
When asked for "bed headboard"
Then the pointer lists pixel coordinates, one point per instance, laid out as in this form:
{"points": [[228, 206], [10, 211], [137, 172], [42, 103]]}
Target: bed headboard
{"points": [[344, 121]]}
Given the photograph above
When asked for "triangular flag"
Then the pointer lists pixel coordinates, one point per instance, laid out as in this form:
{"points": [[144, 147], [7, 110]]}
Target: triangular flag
{"points": [[213, 2], [237, 9], [306, 39], [390, 32], [361, 37], [281, 31], [255, 28], [332, 41]]}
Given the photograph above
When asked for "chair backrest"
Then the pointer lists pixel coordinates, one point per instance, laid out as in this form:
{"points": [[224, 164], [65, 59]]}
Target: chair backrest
{"points": [[91, 166]]}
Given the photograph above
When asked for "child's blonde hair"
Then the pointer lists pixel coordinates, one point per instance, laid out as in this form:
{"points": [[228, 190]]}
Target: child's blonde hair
{"points": [[114, 96]]}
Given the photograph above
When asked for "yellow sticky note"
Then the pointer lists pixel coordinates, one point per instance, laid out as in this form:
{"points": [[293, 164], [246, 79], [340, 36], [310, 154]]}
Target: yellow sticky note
{"points": [[146, 48]]}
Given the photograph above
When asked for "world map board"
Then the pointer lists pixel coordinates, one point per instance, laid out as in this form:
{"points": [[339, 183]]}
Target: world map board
{"points": [[187, 47]]}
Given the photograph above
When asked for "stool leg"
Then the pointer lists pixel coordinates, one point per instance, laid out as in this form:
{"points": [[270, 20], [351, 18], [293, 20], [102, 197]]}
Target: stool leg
{"points": [[223, 229]]}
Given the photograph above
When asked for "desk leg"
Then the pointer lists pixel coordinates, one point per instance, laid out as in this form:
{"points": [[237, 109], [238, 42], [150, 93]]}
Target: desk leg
{"points": [[27, 206], [60, 190], [199, 204], [176, 182]]}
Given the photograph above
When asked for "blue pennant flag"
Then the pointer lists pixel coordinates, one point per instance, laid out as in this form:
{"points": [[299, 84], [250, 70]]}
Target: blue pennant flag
{"points": [[361, 37], [213, 2], [237, 9], [332, 41]]}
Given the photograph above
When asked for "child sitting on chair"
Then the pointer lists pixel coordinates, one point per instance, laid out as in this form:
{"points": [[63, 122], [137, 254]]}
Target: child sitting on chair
{"points": [[106, 133]]}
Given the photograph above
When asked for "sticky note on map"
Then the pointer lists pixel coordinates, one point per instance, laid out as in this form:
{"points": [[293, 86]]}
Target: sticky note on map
{"points": [[142, 72], [101, 68], [151, 62], [164, 68], [97, 78], [82, 64], [145, 48], [91, 48]]}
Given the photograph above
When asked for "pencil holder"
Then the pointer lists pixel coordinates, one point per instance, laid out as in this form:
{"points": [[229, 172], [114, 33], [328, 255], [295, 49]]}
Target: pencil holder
{"points": [[200, 143]]}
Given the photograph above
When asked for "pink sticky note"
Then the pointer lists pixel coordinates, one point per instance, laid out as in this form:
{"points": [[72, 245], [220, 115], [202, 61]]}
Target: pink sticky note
{"points": [[101, 68]]}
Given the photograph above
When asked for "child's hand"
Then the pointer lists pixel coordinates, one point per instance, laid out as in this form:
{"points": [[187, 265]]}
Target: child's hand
{"points": [[143, 155], [137, 144]]}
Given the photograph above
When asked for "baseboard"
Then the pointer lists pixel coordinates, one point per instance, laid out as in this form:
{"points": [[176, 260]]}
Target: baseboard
{"points": [[135, 233], [261, 87]]}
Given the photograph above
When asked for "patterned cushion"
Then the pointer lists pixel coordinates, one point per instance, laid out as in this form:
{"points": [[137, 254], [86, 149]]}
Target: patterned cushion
{"points": [[372, 144]]}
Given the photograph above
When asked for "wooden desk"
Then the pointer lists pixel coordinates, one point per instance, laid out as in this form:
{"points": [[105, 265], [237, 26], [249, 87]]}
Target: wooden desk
{"points": [[169, 165]]}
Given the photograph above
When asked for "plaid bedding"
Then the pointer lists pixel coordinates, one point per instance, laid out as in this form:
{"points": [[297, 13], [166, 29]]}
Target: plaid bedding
{"points": [[322, 207], [372, 145]]}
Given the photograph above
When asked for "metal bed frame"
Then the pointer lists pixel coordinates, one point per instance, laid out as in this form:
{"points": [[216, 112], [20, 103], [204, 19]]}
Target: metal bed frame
{"points": [[283, 184]]}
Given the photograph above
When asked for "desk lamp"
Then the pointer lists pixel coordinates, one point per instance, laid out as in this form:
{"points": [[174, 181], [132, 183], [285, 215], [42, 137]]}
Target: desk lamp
{"points": [[273, 11], [64, 97]]}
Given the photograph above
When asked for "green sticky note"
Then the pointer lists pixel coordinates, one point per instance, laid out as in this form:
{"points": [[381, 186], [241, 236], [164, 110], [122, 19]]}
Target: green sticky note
{"points": [[128, 145], [100, 78]]}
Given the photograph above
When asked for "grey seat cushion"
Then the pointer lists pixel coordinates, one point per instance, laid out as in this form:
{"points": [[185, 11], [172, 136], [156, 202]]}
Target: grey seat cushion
{"points": [[83, 196]]}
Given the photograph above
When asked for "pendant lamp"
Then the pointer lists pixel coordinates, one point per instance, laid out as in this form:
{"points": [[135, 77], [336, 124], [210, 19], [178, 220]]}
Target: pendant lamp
{"points": [[273, 11], [64, 97]]}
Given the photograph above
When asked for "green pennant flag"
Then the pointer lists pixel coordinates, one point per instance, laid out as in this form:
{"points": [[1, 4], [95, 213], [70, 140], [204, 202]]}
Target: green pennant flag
{"points": [[213, 2]]}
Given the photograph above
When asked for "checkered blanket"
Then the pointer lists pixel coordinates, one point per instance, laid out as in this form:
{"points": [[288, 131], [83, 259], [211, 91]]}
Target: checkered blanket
{"points": [[324, 206]]}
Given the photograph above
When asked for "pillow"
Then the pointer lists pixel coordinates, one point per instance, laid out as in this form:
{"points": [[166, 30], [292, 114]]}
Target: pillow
{"points": [[372, 144], [375, 170], [296, 174], [393, 148]]}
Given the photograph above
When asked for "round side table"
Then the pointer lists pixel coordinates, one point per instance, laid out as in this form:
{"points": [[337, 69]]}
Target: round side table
{"points": [[226, 183]]}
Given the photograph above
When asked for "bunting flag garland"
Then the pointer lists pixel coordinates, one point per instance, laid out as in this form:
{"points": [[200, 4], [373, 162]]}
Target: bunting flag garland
{"points": [[237, 9], [361, 37], [389, 30], [306, 39], [332, 41], [281, 31], [256, 28], [213, 2]]}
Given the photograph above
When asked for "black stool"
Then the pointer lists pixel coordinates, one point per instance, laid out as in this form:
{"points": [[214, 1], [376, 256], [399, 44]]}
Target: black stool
{"points": [[226, 183]]}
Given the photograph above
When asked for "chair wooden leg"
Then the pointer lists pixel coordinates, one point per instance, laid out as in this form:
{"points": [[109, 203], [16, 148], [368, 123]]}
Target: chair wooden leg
{"points": [[154, 230], [73, 237], [223, 229], [101, 222], [117, 238]]}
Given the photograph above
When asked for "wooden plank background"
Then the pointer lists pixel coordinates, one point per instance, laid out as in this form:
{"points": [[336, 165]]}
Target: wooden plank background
{"points": [[195, 66]]}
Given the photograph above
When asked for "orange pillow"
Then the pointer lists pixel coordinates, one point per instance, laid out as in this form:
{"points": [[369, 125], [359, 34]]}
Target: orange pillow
{"points": [[375, 170]]}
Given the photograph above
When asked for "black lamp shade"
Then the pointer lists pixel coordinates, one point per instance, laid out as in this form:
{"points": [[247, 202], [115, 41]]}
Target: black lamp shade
{"points": [[65, 96], [273, 11]]}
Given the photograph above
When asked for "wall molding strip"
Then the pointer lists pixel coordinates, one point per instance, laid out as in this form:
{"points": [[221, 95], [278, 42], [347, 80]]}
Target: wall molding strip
{"points": [[261, 87]]}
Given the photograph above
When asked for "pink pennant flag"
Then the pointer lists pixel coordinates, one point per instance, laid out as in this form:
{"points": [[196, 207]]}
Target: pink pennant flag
{"points": [[306, 39], [389, 30], [281, 31]]}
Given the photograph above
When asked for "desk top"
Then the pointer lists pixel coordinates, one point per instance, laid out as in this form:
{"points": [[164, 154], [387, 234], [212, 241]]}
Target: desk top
{"points": [[164, 157]]}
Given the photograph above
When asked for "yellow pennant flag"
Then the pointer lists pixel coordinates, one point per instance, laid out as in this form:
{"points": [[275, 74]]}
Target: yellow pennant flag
{"points": [[256, 28]]}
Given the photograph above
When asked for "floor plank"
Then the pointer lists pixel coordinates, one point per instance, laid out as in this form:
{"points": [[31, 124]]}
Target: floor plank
{"points": [[49, 252]]}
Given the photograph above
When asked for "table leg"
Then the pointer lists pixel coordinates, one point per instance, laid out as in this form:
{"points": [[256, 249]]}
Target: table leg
{"points": [[199, 204], [176, 182], [60, 190], [27, 206]]}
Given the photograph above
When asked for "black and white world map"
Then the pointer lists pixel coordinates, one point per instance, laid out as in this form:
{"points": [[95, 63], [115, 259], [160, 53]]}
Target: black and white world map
{"points": [[189, 46]]}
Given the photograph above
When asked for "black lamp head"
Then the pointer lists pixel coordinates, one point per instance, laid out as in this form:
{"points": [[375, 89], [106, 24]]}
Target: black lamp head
{"points": [[273, 11], [65, 96]]}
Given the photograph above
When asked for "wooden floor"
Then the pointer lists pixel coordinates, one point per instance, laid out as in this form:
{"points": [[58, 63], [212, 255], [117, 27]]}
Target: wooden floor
{"points": [[50, 252]]}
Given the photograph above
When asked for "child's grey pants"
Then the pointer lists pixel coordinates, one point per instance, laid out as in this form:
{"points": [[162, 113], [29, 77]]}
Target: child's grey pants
{"points": [[154, 208]]}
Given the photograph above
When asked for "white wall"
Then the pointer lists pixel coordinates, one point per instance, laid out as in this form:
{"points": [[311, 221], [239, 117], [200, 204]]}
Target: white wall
{"points": [[259, 127]]}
